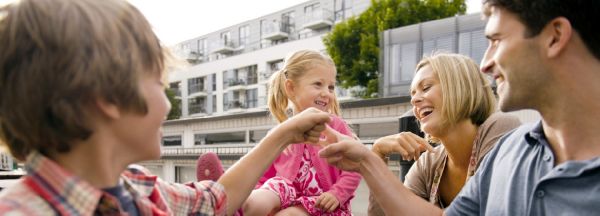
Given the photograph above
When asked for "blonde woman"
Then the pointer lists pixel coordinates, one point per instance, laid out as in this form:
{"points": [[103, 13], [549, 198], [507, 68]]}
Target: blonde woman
{"points": [[455, 107]]}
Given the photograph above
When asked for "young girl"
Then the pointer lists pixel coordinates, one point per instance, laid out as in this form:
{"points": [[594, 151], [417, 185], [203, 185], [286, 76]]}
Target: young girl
{"points": [[299, 182]]}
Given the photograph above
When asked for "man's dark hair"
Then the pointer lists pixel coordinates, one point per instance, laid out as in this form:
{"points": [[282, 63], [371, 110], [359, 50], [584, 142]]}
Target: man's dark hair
{"points": [[535, 14]]}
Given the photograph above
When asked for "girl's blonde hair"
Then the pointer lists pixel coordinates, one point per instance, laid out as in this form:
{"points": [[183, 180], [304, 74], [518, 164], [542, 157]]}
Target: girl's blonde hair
{"points": [[295, 66], [466, 93]]}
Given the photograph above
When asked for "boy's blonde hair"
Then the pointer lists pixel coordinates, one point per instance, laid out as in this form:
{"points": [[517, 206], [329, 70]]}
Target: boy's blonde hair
{"points": [[59, 57], [294, 69], [466, 93]]}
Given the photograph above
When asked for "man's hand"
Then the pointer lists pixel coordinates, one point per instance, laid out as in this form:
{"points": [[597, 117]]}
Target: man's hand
{"points": [[304, 127], [343, 151], [409, 145], [327, 201]]}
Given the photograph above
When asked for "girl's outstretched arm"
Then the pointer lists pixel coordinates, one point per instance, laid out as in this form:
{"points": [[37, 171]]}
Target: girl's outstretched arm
{"points": [[240, 179]]}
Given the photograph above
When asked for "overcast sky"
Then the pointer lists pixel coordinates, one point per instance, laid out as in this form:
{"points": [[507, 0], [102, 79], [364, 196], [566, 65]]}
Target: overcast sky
{"points": [[178, 20]]}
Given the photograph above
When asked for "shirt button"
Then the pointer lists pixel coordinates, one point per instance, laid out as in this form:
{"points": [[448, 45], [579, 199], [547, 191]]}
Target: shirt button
{"points": [[547, 158], [540, 193]]}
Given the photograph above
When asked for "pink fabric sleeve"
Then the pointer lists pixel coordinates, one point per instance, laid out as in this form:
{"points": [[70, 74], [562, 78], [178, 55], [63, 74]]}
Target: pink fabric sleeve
{"points": [[347, 182]]}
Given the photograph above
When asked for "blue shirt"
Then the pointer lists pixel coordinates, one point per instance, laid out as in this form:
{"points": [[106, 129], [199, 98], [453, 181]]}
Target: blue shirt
{"points": [[518, 177]]}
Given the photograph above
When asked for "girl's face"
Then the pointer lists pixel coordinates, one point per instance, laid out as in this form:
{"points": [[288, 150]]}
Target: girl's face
{"points": [[314, 89], [426, 98]]}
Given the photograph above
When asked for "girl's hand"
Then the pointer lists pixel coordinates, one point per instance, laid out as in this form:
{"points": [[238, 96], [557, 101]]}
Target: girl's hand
{"points": [[327, 201], [409, 145]]}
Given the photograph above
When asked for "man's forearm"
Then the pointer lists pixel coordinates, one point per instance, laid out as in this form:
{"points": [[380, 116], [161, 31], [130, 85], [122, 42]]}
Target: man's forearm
{"points": [[390, 193]]}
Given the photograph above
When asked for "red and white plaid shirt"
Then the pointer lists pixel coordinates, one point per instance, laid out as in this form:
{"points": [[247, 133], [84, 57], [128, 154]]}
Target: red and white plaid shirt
{"points": [[49, 189]]}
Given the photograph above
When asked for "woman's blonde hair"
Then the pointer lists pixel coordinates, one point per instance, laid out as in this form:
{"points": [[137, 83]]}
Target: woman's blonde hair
{"points": [[466, 93], [294, 69]]}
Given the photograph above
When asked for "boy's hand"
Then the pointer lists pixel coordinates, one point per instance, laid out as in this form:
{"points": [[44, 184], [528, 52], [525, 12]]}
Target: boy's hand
{"points": [[305, 127], [409, 145], [343, 151], [327, 201]]}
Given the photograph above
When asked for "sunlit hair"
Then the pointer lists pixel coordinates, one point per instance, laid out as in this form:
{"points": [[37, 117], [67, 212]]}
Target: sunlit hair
{"points": [[59, 57], [295, 67], [466, 93]]}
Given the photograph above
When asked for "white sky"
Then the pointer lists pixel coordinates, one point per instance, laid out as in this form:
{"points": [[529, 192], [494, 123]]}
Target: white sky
{"points": [[178, 20]]}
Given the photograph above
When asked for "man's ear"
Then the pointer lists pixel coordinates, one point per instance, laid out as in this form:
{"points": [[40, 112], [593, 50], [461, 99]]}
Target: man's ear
{"points": [[289, 88], [558, 33], [108, 109]]}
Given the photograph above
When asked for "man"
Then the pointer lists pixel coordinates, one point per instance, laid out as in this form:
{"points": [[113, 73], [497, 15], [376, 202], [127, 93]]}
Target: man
{"points": [[544, 55]]}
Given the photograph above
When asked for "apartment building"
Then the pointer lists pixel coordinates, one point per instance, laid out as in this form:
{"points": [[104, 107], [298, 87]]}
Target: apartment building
{"points": [[223, 92]]}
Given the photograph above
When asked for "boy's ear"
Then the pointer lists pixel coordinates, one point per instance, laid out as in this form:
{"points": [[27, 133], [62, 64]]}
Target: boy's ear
{"points": [[108, 109], [559, 32], [289, 88]]}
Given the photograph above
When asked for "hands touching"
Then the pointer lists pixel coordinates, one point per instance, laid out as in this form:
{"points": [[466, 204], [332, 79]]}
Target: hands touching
{"points": [[304, 127], [343, 151], [409, 145], [327, 201]]}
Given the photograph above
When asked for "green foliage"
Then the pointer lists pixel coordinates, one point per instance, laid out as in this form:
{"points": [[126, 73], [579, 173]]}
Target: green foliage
{"points": [[354, 44], [175, 112]]}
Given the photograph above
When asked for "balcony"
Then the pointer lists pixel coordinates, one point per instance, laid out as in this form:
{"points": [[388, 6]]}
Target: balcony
{"points": [[318, 19], [197, 90], [197, 108], [223, 151], [235, 105], [276, 31], [194, 57], [223, 47]]}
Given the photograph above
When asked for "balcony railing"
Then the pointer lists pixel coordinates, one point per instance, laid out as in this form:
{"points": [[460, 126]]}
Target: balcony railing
{"points": [[236, 105], [276, 31], [196, 88], [237, 150], [197, 108], [223, 46], [318, 19]]}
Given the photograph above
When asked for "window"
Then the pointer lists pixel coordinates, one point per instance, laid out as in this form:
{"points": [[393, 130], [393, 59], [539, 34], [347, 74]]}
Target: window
{"points": [[251, 98], [244, 33], [444, 43], [195, 85], [185, 174], [171, 140], [214, 103], [202, 47], [226, 138], [199, 139], [311, 10], [338, 8], [472, 44], [288, 23], [176, 87], [252, 76], [257, 135], [214, 81], [402, 69], [197, 105], [225, 38]]}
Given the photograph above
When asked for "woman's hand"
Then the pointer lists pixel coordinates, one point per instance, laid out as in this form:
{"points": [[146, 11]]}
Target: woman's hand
{"points": [[327, 201], [409, 145]]}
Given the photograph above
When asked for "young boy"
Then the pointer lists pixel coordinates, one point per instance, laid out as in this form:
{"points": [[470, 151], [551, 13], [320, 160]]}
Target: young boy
{"points": [[81, 98]]}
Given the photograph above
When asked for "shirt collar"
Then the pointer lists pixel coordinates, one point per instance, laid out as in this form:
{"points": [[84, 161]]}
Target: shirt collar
{"points": [[536, 134], [67, 193]]}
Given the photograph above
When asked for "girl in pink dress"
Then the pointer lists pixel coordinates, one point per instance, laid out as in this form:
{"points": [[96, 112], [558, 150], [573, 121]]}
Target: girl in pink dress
{"points": [[299, 182]]}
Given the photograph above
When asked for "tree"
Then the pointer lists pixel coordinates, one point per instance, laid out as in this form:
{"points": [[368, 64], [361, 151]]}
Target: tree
{"points": [[175, 112], [354, 44]]}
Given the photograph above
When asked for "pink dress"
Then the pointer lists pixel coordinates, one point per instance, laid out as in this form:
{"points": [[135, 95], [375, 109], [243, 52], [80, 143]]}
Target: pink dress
{"points": [[303, 190]]}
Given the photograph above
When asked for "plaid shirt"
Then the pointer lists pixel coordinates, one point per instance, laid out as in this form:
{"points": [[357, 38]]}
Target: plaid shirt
{"points": [[48, 189]]}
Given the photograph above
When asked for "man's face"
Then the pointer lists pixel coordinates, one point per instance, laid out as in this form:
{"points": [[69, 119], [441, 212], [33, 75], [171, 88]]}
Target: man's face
{"points": [[513, 61]]}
